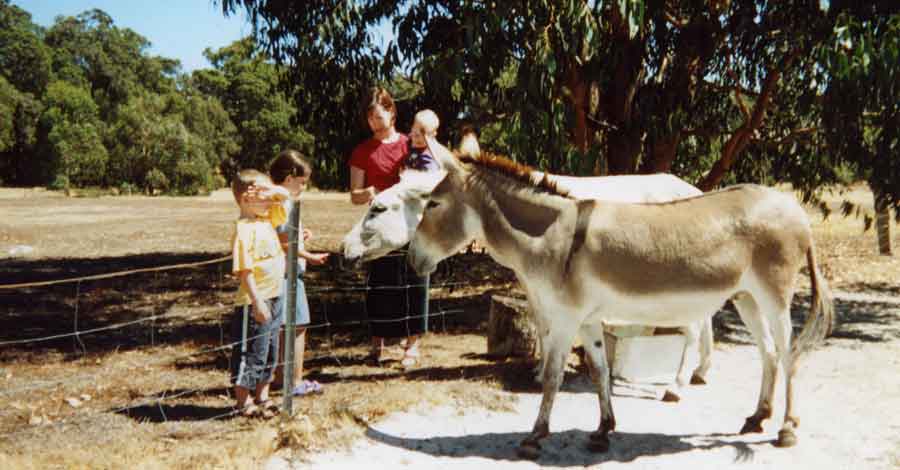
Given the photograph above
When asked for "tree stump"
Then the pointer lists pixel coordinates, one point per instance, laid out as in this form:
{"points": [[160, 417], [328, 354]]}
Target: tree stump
{"points": [[511, 330]]}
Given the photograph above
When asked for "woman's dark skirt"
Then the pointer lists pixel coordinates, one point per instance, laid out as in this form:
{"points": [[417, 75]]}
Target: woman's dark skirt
{"points": [[396, 293]]}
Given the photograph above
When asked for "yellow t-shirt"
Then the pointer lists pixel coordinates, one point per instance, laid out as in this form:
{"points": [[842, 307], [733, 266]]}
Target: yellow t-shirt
{"points": [[255, 247]]}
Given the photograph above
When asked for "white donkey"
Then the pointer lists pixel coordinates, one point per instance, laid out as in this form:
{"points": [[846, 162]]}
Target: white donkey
{"points": [[585, 262]]}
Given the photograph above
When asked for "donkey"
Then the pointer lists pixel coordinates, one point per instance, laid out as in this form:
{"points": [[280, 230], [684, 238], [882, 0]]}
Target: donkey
{"points": [[660, 187], [585, 262]]}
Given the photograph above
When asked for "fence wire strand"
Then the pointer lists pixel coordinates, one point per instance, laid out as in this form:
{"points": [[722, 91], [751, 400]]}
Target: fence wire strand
{"points": [[74, 383]]}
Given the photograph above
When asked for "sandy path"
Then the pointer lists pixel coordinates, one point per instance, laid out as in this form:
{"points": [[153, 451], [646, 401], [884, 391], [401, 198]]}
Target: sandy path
{"points": [[849, 406]]}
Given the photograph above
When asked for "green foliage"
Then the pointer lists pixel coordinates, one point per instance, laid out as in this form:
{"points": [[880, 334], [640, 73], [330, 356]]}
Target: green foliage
{"points": [[247, 83], [715, 91], [861, 112], [89, 50], [156, 180], [24, 58], [71, 135], [9, 99], [59, 183], [112, 115], [184, 138]]}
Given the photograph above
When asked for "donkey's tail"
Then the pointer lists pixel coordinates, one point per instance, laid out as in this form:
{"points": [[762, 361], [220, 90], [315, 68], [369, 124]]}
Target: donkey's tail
{"points": [[821, 311]]}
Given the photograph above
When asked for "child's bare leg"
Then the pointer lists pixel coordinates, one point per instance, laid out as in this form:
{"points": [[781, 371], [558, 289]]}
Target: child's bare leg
{"points": [[262, 392], [412, 345], [377, 347], [299, 349], [242, 397], [410, 352]]}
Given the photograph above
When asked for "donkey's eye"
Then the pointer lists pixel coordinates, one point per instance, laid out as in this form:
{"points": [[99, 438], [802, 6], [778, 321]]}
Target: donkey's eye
{"points": [[432, 204], [377, 209]]}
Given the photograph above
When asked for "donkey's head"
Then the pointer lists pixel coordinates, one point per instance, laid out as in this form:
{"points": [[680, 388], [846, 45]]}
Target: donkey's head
{"points": [[392, 217], [425, 209], [448, 223]]}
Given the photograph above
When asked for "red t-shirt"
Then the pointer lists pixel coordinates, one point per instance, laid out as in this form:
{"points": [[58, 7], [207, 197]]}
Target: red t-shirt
{"points": [[380, 161]]}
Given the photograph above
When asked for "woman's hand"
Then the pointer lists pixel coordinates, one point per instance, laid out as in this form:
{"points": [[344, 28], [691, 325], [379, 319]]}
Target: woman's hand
{"points": [[317, 259]]}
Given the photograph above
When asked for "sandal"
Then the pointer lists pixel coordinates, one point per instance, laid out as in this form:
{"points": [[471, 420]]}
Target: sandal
{"points": [[378, 355], [254, 411], [267, 404], [410, 358], [307, 387]]}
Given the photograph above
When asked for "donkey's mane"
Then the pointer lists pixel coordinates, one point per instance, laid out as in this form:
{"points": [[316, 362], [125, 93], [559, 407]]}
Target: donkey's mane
{"points": [[514, 170]]}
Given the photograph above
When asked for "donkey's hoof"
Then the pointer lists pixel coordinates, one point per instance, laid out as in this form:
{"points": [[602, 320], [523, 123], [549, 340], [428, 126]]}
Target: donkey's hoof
{"points": [[697, 380], [529, 450], [671, 397], [752, 425], [786, 438], [598, 442]]}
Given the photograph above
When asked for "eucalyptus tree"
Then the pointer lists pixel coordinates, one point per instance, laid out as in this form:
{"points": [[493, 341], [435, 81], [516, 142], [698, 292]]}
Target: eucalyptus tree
{"points": [[717, 92], [861, 109], [24, 58]]}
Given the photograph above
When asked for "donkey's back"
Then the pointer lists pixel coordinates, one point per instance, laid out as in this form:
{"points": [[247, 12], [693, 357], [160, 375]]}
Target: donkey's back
{"points": [[665, 259]]}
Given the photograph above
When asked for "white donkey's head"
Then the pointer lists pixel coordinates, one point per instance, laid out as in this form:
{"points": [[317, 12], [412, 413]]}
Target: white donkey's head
{"points": [[392, 218]]}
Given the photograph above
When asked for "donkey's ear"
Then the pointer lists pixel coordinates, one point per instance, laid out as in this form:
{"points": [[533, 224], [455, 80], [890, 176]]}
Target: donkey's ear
{"points": [[421, 183]]}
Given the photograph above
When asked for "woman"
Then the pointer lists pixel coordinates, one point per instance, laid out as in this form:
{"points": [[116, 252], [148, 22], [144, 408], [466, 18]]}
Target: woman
{"points": [[396, 292]]}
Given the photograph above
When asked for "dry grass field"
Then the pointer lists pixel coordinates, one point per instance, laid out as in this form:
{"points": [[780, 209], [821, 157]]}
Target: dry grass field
{"points": [[144, 383]]}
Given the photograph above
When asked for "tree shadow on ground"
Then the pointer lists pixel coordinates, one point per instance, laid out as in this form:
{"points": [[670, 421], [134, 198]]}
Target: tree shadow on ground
{"points": [[152, 407], [566, 448], [161, 413], [857, 318]]}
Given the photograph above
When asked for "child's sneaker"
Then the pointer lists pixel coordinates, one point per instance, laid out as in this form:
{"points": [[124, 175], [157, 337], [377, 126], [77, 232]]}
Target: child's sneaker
{"points": [[307, 387]]}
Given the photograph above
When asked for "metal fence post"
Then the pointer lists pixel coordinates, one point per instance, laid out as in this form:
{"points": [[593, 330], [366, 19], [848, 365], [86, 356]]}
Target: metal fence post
{"points": [[290, 310], [427, 282]]}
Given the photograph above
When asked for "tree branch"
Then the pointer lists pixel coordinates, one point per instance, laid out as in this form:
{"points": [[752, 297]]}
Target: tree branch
{"points": [[794, 135], [737, 95], [741, 137]]}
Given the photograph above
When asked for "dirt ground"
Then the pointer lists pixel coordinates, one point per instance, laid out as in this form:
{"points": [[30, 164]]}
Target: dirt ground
{"points": [[847, 397], [144, 383]]}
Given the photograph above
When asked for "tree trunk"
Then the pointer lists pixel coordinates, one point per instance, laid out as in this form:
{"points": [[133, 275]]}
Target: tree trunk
{"points": [[622, 150], [883, 225], [578, 90], [662, 155], [511, 331]]}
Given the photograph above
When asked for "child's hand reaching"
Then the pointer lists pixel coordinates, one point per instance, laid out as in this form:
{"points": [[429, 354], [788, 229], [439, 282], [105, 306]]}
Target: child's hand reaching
{"points": [[261, 313], [269, 192], [317, 258]]}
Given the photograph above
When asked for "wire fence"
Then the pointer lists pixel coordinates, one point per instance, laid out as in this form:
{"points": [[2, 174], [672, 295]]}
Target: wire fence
{"points": [[90, 306]]}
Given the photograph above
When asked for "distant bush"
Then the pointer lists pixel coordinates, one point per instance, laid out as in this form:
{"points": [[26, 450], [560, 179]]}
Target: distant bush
{"points": [[156, 181], [59, 183]]}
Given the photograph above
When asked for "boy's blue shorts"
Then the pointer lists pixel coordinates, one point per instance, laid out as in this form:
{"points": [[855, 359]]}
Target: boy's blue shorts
{"points": [[302, 315]]}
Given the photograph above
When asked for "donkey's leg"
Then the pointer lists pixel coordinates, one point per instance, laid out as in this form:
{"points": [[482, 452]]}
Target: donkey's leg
{"points": [[706, 346], [541, 365], [782, 329], [749, 312], [595, 355], [556, 347], [673, 392]]}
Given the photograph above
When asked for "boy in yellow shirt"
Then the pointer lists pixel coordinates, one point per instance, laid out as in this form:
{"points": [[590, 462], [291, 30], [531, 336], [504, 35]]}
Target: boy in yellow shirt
{"points": [[259, 262]]}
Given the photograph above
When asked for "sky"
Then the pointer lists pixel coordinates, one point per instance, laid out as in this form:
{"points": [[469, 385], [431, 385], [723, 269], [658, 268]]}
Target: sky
{"points": [[177, 29]]}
